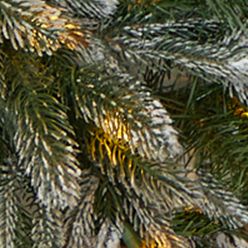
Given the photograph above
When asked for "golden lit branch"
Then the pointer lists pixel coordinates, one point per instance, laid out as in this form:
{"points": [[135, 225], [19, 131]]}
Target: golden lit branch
{"points": [[238, 108], [163, 240], [102, 146], [114, 126], [67, 30], [40, 27]]}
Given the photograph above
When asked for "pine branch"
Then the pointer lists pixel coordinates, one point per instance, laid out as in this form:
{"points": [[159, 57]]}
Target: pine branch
{"points": [[92, 9], [230, 241], [87, 226], [8, 207], [15, 220], [154, 181], [39, 27], [222, 203], [132, 169], [47, 228], [80, 221], [53, 177], [232, 12], [27, 205], [150, 223], [227, 148], [160, 187], [135, 179], [129, 113], [109, 235], [46, 149], [3, 85], [223, 62], [218, 140], [164, 187]]}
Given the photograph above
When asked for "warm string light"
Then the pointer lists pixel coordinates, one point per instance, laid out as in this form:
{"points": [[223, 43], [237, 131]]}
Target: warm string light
{"points": [[238, 109]]}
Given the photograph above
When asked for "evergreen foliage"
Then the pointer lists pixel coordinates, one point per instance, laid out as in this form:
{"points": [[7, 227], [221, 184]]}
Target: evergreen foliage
{"points": [[123, 123]]}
